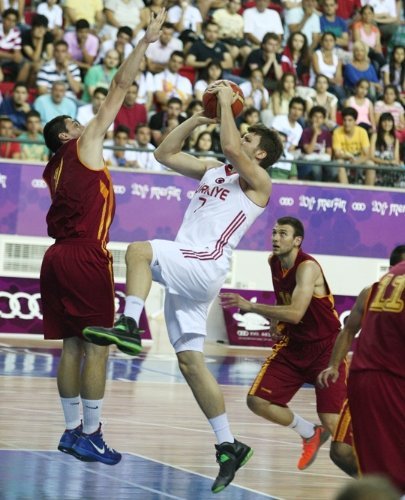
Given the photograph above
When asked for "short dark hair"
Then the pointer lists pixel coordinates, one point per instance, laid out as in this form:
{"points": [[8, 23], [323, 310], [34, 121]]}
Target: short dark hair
{"points": [[52, 130], [100, 90], [350, 112], [20, 84], [141, 125], [270, 142], [13, 12], [175, 100], [33, 114], [250, 111], [270, 36], [122, 128], [207, 23], [317, 109], [397, 255], [177, 53], [296, 224], [82, 24], [126, 30], [168, 25], [60, 42], [297, 100], [40, 20]]}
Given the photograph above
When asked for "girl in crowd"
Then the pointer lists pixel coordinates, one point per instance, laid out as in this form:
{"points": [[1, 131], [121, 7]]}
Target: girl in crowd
{"points": [[296, 59], [384, 148], [393, 73], [362, 104], [204, 146], [214, 72], [390, 103], [326, 62], [321, 97], [368, 32], [280, 99]]}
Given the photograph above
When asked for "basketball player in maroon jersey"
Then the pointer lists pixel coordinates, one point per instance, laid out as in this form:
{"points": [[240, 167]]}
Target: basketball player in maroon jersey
{"points": [[76, 276], [307, 328], [342, 452]]}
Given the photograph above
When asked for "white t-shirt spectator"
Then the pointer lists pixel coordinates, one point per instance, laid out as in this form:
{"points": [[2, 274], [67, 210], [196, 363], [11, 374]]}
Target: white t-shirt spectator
{"points": [[256, 95], [126, 13], [173, 84], [146, 84], [293, 133], [160, 54], [108, 45], [192, 16], [259, 23], [85, 114], [312, 24], [54, 14], [382, 6]]}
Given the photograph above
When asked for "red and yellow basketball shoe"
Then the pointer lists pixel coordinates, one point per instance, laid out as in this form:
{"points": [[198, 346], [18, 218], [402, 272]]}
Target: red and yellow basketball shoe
{"points": [[310, 446]]}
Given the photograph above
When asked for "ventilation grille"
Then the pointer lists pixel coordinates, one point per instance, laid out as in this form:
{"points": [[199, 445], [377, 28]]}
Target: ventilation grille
{"points": [[22, 256]]}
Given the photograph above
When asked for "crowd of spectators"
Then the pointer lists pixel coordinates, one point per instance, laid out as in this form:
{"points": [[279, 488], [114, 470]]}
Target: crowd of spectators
{"points": [[329, 75]]}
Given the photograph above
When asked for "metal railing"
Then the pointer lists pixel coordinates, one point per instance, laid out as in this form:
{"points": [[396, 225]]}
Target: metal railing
{"points": [[301, 161]]}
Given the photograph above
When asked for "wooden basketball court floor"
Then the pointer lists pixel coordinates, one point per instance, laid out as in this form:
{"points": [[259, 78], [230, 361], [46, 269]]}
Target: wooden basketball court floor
{"points": [[150, 416]]}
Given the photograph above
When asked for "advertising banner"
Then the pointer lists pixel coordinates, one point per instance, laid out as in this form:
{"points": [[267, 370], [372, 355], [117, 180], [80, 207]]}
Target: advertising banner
{"points": [[252, 330], [21, 311], [340, 220]]}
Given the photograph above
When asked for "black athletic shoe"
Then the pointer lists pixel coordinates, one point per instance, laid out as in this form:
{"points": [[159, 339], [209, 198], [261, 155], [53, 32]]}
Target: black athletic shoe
{"points": [[230, 456], [125, 334]]}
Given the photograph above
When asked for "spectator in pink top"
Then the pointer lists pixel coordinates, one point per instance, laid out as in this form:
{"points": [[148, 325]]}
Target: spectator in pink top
{"points": [[83, 46], [362, 104], [390, 103], [367, 31]]}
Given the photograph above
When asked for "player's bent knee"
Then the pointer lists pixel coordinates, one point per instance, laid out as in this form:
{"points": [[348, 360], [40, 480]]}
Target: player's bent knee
{"points": [[138, 250], [190, 342], [255, 404]]}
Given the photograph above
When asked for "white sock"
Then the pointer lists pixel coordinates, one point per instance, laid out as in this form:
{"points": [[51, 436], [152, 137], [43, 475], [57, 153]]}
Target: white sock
{"points": [[302, 427], [91, 414], [71, 411], [220, 426], [133, 307]]}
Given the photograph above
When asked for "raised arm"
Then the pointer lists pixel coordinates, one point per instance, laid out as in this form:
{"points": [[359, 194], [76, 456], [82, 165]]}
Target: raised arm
{"points": [[170, 153], [257, 179], [90, 143], [344, 340]]}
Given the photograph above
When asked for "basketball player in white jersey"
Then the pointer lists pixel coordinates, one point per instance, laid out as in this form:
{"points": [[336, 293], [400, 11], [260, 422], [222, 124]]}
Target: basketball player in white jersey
{"points": [[193, 267]]}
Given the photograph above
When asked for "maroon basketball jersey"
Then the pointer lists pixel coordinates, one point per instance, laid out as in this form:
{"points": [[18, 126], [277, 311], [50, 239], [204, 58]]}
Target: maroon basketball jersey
{"points": [[83, 202], [381, 343], [320, 321]]}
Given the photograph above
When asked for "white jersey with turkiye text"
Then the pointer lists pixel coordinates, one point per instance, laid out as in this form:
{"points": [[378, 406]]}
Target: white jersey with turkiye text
{"points": [[217, 218]]}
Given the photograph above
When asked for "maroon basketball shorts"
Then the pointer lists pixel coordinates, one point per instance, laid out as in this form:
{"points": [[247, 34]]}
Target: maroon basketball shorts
{"points": [[77, 288], [344, 429], [377, 406], [292, 365]]}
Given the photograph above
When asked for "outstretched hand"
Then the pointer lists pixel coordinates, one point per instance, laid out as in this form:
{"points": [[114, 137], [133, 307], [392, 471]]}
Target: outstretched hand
{"points": [[234, 300], [153, 30]]}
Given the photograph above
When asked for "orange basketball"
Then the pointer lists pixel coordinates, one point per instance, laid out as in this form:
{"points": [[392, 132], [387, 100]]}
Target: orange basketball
{"points": [[210, 101]]}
